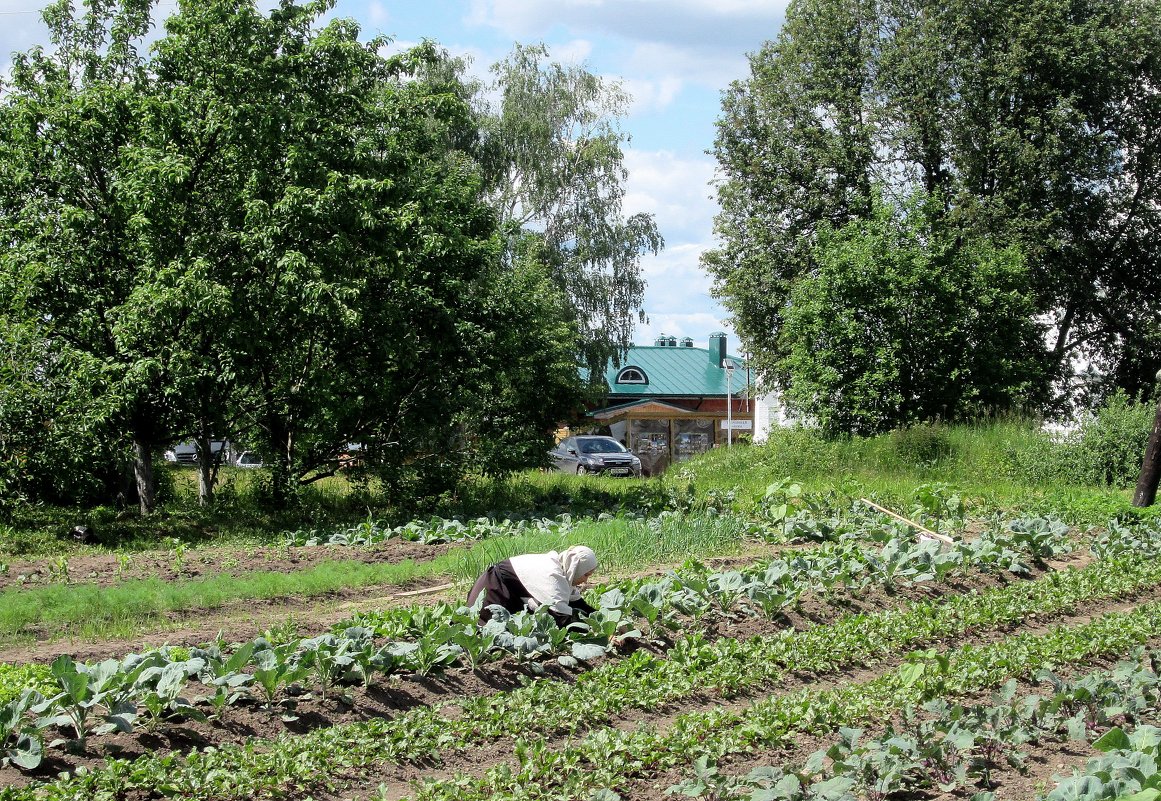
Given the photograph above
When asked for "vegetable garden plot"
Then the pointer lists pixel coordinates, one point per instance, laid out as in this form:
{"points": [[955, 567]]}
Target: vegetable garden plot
{"points": [[418, 723], [420, 727], [972, 748], [612, 759]]}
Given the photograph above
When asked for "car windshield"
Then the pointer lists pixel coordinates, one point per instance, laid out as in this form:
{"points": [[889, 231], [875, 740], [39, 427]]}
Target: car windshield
{"points": [[599, 446]]}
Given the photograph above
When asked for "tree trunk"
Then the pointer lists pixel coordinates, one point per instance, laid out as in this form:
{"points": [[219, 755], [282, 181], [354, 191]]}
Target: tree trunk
{"points": [[143, 473], [283, 459], [1146, 492], [205, 471]]}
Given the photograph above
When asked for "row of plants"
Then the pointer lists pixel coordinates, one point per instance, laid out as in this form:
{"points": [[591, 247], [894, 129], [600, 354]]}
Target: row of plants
{"points": [[1129, 770], [694, 666], [435, 531], [611, 759], [785, 513], [766, 588], [441, 637], [946, 747]]}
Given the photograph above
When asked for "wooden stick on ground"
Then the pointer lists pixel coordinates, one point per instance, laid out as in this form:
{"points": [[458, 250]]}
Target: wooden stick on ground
{"points": [[928, 532], [424, 591]]}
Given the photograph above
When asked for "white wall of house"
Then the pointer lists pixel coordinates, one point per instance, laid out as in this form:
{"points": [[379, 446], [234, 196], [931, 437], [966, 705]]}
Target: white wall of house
{"points": [[619, 431], [769, 413]]}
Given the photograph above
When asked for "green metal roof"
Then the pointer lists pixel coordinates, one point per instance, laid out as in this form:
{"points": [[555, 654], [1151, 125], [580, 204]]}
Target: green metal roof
{"points": [[673, 371]]}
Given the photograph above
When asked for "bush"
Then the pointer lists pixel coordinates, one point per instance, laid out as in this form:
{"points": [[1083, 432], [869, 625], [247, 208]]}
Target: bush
{"points": [[1105, 450], [1108, 447], [1036, 460], [921, 445]]}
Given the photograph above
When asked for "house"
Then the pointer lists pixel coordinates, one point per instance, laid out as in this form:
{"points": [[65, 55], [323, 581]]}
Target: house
{"points": [[670, 400]]}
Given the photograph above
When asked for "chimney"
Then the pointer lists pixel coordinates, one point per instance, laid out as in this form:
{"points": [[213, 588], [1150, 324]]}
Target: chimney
{"points": [[661, 340], [687, 343], [717, 348]]}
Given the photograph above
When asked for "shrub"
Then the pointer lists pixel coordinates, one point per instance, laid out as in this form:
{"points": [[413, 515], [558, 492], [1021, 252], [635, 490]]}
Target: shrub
{"points": [[1105, 450], [1108, 447], [921, 445]]}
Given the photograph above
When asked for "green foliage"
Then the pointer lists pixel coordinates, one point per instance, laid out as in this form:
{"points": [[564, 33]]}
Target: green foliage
{"points": [[921, 445], [991, 106], [551, 155], [903, 319], [1106, 449], [267, 230], [1109, 445], [527, 381], [15, 679]]}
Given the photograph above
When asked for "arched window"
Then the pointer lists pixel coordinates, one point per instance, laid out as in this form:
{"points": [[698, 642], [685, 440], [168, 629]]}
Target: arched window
{"points": [[632, 375]]}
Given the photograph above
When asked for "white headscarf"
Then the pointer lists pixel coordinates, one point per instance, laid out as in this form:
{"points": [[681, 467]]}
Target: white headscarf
{"points": [[550, 577], [577, 562]]}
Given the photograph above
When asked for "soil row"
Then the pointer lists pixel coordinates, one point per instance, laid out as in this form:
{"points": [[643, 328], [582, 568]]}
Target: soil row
{"points": [[399, 781], [1045, 760]]}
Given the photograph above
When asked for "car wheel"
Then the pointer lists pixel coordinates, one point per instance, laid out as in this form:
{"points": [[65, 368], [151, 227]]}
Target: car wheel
{"points": [[580, 471]]}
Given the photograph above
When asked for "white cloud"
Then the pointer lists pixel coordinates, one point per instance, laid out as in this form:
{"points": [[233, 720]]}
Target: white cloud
{"points": [[673, 188], [651, 95], [677, 296], [694, 65], [575, 52], [377, 14], [730, 25], [697, 326]]}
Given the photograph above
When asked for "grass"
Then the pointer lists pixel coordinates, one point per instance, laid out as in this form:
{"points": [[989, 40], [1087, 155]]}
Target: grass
{"points": [[619, 544], [983, 462], [127, 609], [239, 518]]}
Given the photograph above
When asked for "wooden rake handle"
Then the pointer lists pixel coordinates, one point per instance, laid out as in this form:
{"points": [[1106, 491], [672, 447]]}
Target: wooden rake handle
{"points": [[928, 532]]}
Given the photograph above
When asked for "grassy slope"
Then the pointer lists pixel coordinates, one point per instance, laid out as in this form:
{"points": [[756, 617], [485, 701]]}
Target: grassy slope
{"points": [[980, 462]]}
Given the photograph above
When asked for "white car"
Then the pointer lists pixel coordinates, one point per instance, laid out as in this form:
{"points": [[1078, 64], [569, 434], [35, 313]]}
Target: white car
{"points": [[249, 459]]}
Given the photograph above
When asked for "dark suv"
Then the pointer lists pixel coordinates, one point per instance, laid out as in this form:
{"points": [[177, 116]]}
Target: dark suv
{"points": [[592, 455]]}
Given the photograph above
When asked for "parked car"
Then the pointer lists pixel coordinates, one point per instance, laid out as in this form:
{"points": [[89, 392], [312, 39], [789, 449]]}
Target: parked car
{"points": [[187, 452], [249, 459], [594, 455]]}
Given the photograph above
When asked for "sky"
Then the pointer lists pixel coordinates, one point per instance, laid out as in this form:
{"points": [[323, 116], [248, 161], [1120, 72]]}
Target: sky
{"points": [[673, 56]]}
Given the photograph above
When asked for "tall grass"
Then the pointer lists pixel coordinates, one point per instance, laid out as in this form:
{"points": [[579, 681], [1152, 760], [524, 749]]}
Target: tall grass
{"points": [[620, 544], [1004, 465]]}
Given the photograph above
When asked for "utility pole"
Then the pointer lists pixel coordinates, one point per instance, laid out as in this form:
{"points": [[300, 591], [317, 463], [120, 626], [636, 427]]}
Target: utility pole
{"points": [[1146, 492], [729, 365]]}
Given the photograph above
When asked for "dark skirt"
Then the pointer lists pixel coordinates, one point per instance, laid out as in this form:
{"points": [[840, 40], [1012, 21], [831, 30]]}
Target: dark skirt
{"points": [[501, 587]]}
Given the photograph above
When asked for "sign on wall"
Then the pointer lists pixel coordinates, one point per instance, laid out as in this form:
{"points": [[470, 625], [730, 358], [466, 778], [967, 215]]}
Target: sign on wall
{"points": [[737, 425]]}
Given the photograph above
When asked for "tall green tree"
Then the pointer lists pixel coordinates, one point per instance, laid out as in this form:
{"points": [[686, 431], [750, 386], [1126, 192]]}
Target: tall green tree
{"points": [[261, 229], [70, 122], [1031, 120], [551, 150], [905, 319]]}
